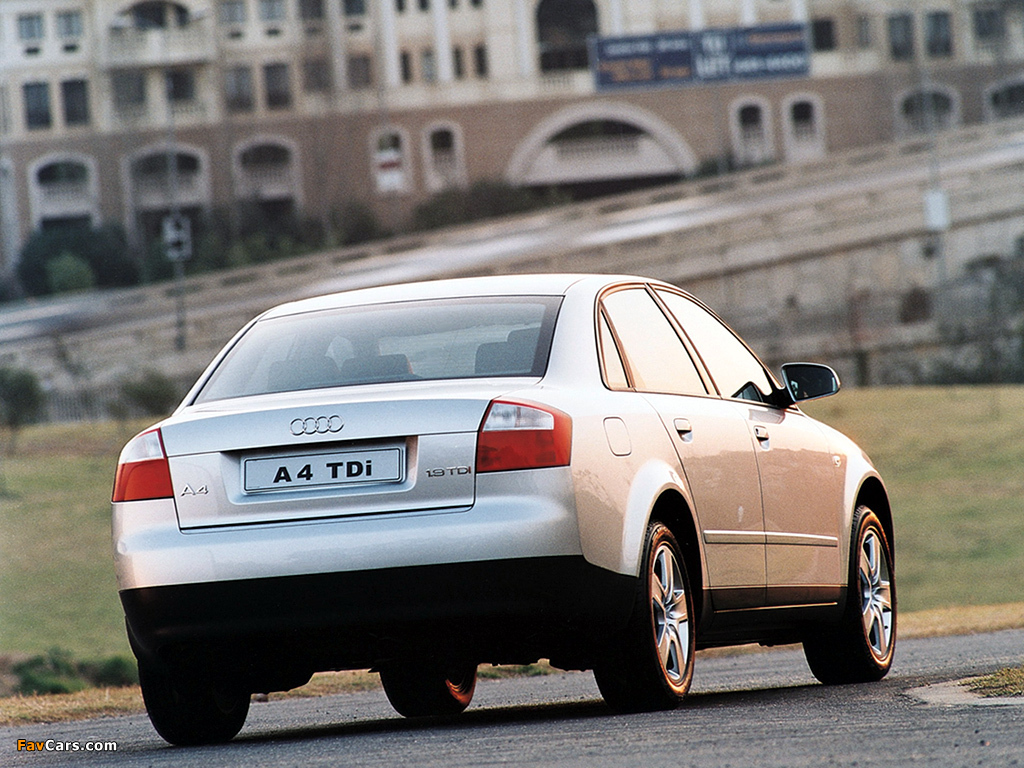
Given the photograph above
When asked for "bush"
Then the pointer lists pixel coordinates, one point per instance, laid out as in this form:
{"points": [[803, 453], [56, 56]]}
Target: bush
{"points": [[483, 200], [68, 273], [104, 249], [21, 399], [57, 671], [154, 393]]}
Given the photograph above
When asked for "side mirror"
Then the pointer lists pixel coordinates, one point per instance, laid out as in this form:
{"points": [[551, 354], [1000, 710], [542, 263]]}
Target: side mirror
{"points": [[809, 381]]}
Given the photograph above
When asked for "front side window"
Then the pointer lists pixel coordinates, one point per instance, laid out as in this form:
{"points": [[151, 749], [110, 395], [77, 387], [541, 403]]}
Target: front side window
{"points": [[389, 343], [654, 354], [735, 370]]}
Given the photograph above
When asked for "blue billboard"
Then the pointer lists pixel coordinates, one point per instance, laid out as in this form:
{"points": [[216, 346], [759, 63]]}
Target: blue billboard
{"points": [[707, 56]]}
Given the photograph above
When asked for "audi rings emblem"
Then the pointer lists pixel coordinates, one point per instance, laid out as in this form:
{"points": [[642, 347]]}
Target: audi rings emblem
{"points": [[321, 425]]}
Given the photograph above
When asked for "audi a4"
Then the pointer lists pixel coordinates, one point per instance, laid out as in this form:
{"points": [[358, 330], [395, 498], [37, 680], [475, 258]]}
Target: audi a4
{"points": [[424, 478]]}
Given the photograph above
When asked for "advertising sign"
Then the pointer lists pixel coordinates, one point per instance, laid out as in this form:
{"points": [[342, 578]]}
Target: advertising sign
{"points": [[707, 56]]}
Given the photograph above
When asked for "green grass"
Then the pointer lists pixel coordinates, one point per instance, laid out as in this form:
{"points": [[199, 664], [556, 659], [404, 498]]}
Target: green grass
{"points": [[952, 459]]}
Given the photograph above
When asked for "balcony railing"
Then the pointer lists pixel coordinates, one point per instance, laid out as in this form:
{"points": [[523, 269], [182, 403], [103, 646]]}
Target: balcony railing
{"points": [[160, 47]]}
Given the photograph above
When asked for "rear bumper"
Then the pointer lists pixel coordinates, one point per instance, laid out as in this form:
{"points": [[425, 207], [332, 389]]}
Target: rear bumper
{"points": [[497, 611]]}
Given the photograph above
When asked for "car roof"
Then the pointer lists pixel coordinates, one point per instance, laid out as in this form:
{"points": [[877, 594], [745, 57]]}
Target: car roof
{"points": [[495, 285]]}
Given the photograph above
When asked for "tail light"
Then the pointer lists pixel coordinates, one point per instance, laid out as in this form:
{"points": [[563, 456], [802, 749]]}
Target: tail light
{"points": [[522, 436], [142, 470]]}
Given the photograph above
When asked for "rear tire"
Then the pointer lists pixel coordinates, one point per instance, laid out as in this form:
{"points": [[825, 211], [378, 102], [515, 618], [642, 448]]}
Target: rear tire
{"points": [[428, 689], [650, 666], [186, 711], [860, 649]]}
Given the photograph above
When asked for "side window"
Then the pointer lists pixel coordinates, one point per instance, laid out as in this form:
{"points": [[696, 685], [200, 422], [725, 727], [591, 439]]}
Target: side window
{"points": [[736, 372], [653, 351], [611, 363]]}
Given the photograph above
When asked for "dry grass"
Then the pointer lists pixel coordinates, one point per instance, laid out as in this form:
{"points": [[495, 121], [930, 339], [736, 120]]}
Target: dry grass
{"points": [[1005, 682]]}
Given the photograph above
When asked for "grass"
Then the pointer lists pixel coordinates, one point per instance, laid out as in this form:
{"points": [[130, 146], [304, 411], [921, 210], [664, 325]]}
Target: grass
{"points": [[951, 458]]}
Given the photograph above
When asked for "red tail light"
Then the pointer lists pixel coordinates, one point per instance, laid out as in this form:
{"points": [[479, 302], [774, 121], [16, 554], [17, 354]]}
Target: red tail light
{"points": [[522, 436], [142, 470]]}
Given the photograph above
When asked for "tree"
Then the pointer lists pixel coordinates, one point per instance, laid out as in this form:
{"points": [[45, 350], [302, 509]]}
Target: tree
{"points": [[104, 249], [21, 400]]}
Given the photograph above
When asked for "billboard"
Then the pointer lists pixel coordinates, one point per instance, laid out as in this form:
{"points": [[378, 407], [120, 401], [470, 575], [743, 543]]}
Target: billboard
{"points": [[707, 56]]}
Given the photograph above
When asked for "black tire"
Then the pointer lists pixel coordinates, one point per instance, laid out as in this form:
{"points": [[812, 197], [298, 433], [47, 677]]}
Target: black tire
{"points": [[427, 689], [860, 649], [650, 667], [187, 712]]}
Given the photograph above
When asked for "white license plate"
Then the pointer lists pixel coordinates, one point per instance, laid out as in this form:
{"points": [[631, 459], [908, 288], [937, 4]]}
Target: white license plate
{"points": [[324, 470]]}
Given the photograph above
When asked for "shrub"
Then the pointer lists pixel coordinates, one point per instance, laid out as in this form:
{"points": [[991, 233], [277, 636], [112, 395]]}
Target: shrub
{"points": [[104, 249], [56, 671], [21, 399], [154, 393], [68, 273]]}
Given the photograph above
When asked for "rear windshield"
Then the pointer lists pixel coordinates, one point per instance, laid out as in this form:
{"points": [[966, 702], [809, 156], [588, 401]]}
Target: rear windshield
{"points": [[408, 341]]}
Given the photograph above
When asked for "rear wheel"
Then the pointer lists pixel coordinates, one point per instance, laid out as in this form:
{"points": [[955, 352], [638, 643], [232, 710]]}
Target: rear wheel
{"points": [[428, 689], [860, 649], [651, 665], [187, 711]]}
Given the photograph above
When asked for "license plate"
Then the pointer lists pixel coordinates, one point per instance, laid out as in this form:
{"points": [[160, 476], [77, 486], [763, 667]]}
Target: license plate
{"points": [[324, 470]]}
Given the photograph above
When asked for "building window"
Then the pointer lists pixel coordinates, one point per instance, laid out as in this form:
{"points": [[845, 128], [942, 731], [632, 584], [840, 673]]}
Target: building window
{"points": [[232, 12], [360, 72], [458, 65], [69, 25], [563, 27], [823, 34], [424, 5], [453, 4], [37, 106], [238, 90], [355, 7], [316, 76], [311, 10], [428, 67], [938, 34], [75, 96], [480, 60], [865, 39], [180, 85], [277, 85], [1008, 101], [802, 115], [901, 37], [30, 27], [272, 10], [389, 162], [129, 90], [988, 26], [400, 6], [477, 3], [927, 112], [405, 62]]}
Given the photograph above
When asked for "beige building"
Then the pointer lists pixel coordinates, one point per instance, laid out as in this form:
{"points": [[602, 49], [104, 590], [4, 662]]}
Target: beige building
{"points": [[113, 110]]}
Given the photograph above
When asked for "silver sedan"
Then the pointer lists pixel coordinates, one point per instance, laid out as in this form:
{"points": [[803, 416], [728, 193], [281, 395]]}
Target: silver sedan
{"points": [[420, 479]]}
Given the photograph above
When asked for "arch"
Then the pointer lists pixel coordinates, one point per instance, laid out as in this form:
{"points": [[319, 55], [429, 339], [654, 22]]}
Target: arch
{"points": [[63, 186], [563, 27], [658, 148], [803, 126], [155, 14], [1005, 99], [391, 159], [919, 111], [145, 180], [750, 124], [267, 167], [444, 160]]}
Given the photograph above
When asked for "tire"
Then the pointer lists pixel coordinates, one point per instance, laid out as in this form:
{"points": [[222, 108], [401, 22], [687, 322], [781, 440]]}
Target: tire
{"points": [[187, 712], [428, 690], [650, 666], [860, 649]]}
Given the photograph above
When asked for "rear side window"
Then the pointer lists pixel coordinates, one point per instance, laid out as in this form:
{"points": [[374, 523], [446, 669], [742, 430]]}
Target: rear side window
{"points": [[386, 343], [654, 353]]}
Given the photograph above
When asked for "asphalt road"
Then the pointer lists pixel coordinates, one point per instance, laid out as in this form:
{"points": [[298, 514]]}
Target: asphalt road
{"points": [[760, 709]]}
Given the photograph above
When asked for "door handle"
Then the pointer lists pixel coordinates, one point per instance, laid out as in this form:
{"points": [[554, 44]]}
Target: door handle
{"points": [[761, 432], [683, 426]]}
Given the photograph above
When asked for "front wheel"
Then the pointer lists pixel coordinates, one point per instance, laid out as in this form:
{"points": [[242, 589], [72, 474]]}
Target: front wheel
{"points": [[187, 711], [428, 689], [651, 665], [860, 649]]}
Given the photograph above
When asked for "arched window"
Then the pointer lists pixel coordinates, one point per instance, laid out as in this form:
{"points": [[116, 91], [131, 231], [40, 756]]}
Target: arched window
{"points": [[156, 165], [924, 112], [157, 14], [64, 174], [389, 162], [1008, 101], [266, 155], [562, 30], [801, 115], [751, 124]]}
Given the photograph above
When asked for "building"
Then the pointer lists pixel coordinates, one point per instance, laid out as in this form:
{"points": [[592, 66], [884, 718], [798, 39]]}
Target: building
{"points": [[128, 111]]}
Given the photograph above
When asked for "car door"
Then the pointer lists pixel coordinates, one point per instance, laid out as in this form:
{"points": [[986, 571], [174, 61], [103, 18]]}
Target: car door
{"points": [[801, 479], [709, 436]]}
